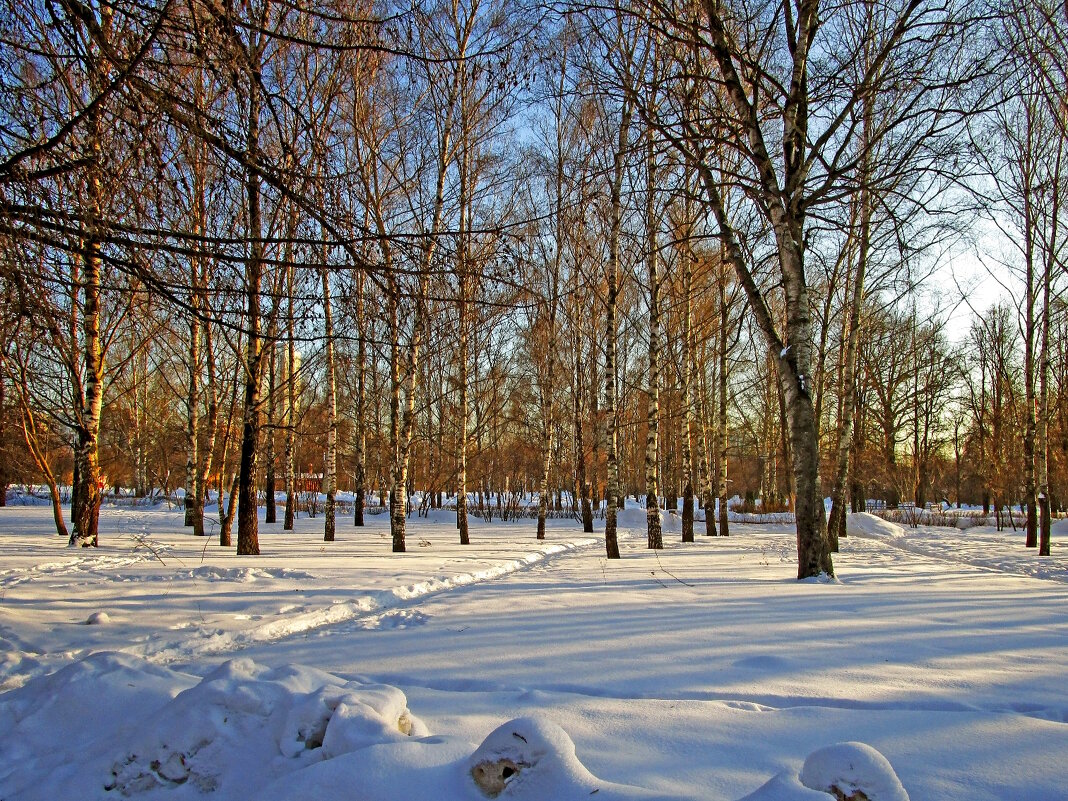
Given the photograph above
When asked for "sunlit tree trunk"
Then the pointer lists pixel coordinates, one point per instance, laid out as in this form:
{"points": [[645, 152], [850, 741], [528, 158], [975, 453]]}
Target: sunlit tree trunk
{"points": [[612, 488], [270, 483], [291, 405], [85, 514], [247, 518], [86, 517], [196, 462], [721, 415]]}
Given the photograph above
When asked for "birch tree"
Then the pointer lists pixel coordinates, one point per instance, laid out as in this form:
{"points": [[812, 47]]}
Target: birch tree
{"points": [[792, 122]]}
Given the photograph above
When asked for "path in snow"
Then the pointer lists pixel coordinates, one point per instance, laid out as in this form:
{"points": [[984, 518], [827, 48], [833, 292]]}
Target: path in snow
{"points": [[719, 621], [211, 603]]}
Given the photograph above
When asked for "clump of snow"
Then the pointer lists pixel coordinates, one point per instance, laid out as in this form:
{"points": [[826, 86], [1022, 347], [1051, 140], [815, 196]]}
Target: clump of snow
{"points": [[532, 758], [847, 771], [852, 770], [865, 524]]}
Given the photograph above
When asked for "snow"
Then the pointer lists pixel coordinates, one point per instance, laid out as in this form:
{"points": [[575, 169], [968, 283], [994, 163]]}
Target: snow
{"points": [[851, 767], [160, 666]]}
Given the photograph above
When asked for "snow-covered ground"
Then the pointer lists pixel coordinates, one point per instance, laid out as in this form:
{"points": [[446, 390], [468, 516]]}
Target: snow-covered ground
{"points": [[162, 667]]}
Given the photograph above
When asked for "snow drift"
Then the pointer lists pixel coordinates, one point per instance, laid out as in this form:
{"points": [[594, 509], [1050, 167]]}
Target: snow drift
{"points": [[296, 732]]}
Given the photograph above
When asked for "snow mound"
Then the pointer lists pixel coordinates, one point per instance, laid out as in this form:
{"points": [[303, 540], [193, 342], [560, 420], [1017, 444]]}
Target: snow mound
{"points": [[635, 519], [16, 667], [105, 689], [530, 758], [292, 733], [270, 717], [865, 524], [847, 771], [852, 770], [155, 730], [632, 517]]}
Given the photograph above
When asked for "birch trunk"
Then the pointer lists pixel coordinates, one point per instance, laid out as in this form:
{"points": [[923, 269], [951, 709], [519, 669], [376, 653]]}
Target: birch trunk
{"points": [[1030, 421], [793, 366], [721, 415], [402, 428], [612, 490], [399, 509], [397, 475], [1042, 428], [461, 477], [205, 466], [247, 519], [330, 472], [86, 516], [291, 405], [361, 401], [85, 501], [269, 482], [688, 462], [703, 473], [192, 432], [784, 207], [655, 536], [462, 280], [226, 512], [548, 381]]}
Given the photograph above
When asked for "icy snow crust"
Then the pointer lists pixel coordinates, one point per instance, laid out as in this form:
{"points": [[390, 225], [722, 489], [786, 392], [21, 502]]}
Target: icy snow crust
{"points": [[158, 667]]}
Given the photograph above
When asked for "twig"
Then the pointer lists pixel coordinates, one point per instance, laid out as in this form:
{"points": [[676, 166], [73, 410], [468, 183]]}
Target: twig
{"points": [[142, 541], [668, 571]]}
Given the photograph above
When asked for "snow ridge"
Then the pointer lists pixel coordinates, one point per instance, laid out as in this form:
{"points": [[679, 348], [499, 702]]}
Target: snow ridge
{"points": [[202, 641]]}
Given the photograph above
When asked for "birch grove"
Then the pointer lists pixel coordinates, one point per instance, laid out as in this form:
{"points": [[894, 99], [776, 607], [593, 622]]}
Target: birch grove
{"points": [[504, 259]]}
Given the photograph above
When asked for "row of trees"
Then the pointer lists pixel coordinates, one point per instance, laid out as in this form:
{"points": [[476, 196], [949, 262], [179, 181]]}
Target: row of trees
{"points": [[481, 248]]}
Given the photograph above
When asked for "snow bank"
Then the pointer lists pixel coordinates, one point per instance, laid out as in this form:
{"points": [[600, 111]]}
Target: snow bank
{"points": [[293, 733], [533, 759], [868, 525], [154, 729]]}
